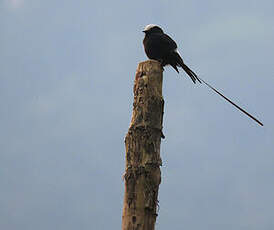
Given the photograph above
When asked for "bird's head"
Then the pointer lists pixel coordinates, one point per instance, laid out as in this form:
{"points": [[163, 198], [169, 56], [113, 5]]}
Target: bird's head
{"points": [[152, 28]]}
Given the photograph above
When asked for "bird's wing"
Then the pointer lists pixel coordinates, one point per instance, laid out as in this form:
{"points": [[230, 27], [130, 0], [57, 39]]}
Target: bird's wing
{"points": [[159, 45], [167, 43]]}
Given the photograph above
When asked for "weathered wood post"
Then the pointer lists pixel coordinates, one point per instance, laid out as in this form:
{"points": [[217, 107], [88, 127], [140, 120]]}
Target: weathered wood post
{"points": [[142, 174]]}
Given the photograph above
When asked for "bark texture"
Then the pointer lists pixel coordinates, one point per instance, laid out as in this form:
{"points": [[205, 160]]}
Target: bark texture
{"points": [[142, 175]]}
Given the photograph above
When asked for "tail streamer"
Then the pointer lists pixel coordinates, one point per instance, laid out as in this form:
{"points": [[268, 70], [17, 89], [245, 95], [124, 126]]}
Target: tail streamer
{"points": [[227, 99]]}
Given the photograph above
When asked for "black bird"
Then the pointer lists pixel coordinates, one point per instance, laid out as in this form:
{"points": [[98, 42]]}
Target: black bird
{"points": [[159, 46]]}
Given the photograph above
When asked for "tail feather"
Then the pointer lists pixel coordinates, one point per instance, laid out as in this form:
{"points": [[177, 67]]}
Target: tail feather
{"points": [[177, 61], [190, 73]]}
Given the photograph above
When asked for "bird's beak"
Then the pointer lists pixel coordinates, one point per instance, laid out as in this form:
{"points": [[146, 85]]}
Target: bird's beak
{"points": [[144, 31]]}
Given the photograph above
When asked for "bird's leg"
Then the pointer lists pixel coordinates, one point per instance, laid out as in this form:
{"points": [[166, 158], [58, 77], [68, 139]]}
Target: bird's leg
{"points": [[162, 62]]}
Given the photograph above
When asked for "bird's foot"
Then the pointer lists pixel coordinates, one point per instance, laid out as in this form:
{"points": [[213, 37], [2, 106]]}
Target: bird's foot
{"points": [[162, 64]]}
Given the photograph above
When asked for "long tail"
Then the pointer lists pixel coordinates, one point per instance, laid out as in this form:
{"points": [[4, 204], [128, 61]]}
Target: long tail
{"points": [[194, 77], [227, 99], [190, 73]]}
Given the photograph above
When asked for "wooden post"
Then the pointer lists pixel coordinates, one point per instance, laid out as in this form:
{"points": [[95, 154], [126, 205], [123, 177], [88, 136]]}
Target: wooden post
{"points": [[142, 174]]}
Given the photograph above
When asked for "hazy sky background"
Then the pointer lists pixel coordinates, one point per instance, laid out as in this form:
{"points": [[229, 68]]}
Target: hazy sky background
{"points": [[66, 78]]}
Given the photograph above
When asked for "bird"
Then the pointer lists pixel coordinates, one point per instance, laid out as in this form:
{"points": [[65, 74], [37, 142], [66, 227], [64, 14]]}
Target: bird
{"points": [[161, 47]]}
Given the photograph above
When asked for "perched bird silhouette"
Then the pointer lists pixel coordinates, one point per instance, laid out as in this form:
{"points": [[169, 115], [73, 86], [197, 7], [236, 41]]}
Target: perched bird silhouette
{"points": [[159, 46]]}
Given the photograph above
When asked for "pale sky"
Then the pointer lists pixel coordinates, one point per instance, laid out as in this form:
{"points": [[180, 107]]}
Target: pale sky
{"points": [[66, 77]]}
